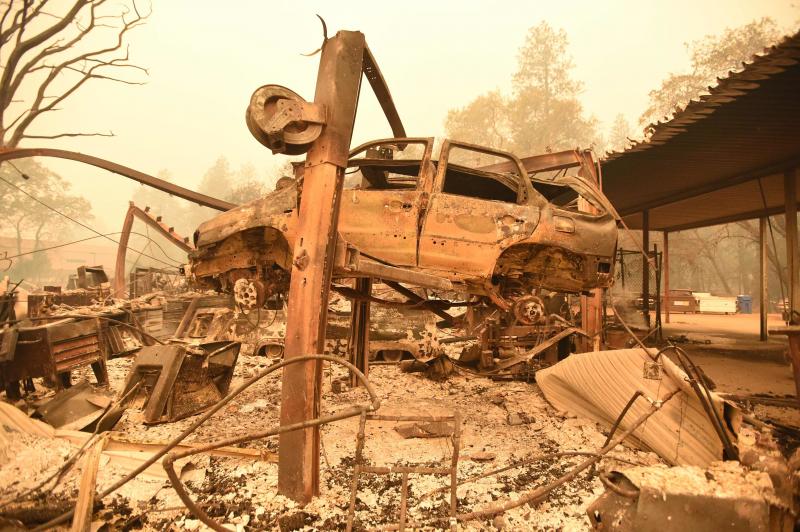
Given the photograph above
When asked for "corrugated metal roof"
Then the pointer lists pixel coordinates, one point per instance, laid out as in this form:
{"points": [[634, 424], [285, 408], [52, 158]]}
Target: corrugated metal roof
{"points": [[747, 126]]}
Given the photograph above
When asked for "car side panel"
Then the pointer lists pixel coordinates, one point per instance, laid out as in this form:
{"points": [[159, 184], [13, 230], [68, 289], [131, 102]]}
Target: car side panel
{"points": [[382, 223], [463, 235]]}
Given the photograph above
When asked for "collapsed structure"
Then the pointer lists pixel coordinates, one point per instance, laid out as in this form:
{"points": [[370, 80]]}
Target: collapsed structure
{"points": [[482, 263]]}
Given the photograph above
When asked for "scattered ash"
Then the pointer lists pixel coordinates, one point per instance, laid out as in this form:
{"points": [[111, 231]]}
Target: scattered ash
{"points": [[508, 421]]}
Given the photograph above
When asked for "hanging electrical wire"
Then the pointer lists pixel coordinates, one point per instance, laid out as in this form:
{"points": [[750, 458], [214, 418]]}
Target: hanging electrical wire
{"points": [[40, 202], [65, 244]]}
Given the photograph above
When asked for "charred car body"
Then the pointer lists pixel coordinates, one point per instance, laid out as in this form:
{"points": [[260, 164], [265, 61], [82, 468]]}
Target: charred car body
{"points": [[472, 220]]}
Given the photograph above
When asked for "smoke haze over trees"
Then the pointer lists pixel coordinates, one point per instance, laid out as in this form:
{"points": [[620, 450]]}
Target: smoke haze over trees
{"points": [[711, 57], [543, 113]]}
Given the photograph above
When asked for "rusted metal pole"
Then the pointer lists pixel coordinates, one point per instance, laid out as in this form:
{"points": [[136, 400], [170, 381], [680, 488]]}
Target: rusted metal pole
{"points": [[125, 235], [666, 276], [338, 84], [646, 268], [763, 297], [792, 252], [359, 330], [119, 267], [592, 304]]}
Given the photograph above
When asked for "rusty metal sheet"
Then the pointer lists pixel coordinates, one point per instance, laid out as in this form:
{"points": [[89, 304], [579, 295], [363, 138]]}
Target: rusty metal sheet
{"points": [[597, 385], [727, 496], [78, 408]]}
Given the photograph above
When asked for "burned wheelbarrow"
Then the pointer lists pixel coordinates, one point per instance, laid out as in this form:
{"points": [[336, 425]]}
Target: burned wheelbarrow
{"points": [[179, 380]]}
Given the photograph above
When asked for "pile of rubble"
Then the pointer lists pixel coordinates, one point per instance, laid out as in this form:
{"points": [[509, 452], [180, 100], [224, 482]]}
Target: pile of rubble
{"points": [[512, 440]]}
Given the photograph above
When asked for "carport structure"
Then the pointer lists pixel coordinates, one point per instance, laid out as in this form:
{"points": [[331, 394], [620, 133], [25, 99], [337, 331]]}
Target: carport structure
{"points": [[732, 154]]}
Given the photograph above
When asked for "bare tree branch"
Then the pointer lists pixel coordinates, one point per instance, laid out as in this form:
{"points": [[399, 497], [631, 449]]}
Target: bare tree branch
{"points": [[54, 63], [16, 80], [61, 135], [3, 20]]}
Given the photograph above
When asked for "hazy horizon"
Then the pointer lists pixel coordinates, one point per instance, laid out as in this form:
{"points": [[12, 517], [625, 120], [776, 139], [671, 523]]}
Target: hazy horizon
{"points": [[204, 62]]}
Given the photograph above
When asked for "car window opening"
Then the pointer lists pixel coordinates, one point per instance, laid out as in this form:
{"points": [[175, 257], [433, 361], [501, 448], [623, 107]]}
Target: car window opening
{"points": [[465, 176], [566, 197], [368, 174], [385, 166], [467, 182]]}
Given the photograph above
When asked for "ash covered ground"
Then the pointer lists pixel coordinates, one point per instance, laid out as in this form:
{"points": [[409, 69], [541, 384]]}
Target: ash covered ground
{"points": [[503, 422]]}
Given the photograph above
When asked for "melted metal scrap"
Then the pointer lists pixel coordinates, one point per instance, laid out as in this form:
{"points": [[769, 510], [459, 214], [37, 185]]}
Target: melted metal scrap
{"points": [[179, 380], [726, 496]]}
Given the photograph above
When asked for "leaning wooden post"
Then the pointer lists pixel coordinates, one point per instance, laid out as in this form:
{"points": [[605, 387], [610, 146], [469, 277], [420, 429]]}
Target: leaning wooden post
{"points": [[338, 84]]}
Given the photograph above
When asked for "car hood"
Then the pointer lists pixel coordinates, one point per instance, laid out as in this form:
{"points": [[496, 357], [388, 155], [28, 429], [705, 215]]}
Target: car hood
{"points": [[263, 212]]}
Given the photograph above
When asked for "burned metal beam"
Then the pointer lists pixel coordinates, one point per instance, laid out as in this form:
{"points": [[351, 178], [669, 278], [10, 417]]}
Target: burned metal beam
{"points": [[127, 225], [338, 85], [666, 276], [359, 329], [146, 179], [414, 298], [646, 268], [381, 90], [763, 292], [792, 245]]}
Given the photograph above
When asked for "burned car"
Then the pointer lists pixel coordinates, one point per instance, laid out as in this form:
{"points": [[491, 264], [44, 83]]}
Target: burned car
{"points": [[473, 220]]}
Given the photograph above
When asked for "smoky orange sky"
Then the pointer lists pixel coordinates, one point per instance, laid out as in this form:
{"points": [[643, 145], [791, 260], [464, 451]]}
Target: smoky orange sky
{"points": [[206, 58]]}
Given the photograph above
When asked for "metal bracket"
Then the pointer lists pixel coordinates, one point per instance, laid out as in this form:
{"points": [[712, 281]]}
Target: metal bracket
{"points": [[288, 112], [283, 121]]}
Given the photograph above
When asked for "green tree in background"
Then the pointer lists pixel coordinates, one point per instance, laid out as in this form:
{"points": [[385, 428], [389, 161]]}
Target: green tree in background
{"points": [[710, 57], [542, 114]]}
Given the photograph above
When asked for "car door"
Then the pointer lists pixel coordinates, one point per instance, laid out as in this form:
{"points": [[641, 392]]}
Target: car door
{"points": [[473, 214], [380, 217]]}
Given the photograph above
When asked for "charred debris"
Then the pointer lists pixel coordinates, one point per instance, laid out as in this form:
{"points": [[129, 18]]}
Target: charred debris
{"points": [[432, 323]]}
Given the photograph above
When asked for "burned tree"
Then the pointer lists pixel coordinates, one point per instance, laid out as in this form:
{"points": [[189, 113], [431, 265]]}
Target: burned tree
{"points": [[48, 56]]}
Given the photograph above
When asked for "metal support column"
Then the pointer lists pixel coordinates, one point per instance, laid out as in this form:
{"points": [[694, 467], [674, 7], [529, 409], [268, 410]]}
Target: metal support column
{"points": [[646, 268], [358, 346], [592, 304], [792, 252], [763, 300], [666, 276], [338, 84]]}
